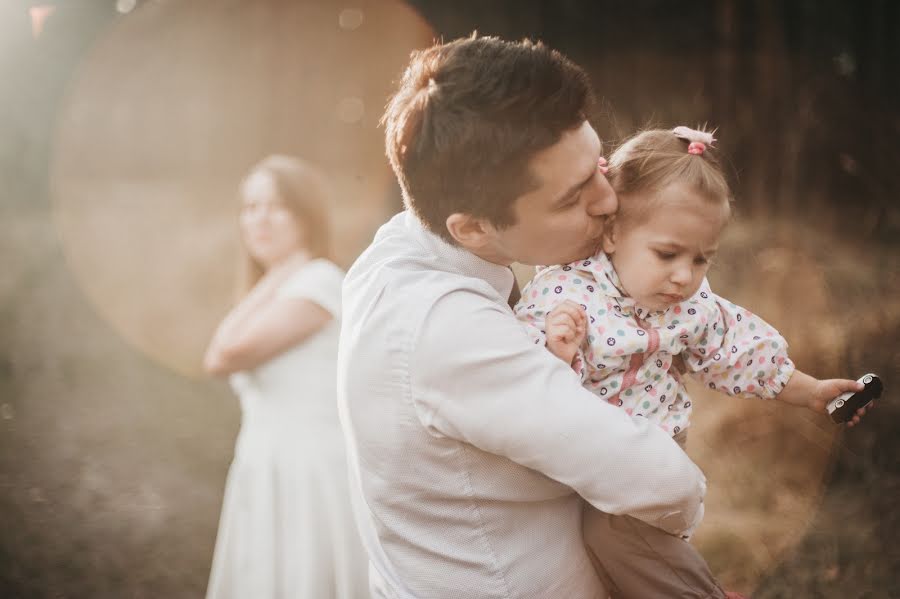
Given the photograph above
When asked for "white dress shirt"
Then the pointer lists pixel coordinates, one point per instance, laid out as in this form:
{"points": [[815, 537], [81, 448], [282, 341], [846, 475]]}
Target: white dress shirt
{"points": [[469, 446]]}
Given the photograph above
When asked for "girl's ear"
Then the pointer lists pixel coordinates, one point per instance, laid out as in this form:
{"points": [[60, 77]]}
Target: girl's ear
{"points": [[610, 233]]}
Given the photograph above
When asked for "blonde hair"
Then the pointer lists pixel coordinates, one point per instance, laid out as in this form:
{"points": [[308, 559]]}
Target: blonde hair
{"points": [[654, 159], [303, 189]]}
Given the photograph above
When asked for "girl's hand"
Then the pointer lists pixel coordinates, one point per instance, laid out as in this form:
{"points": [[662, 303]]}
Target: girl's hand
{"points": [[566, 327], [826, 390]]}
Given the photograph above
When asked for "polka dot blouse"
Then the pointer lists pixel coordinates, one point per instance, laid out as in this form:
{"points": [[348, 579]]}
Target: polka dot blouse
{"points": [[627, 354]]}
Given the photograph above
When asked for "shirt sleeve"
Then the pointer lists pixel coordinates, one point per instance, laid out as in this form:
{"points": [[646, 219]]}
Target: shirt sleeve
{"points": [[735, 351], [481, 380], [318, 281]]}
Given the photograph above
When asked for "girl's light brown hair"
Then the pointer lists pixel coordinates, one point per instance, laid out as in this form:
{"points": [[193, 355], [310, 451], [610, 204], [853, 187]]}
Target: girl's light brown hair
{"points": [[303, 189], [654, 159]]}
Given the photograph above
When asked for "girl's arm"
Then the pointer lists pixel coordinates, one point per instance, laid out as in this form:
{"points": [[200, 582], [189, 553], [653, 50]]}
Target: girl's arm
{"points": [[741, 354], [805, 391], [731, 349]]}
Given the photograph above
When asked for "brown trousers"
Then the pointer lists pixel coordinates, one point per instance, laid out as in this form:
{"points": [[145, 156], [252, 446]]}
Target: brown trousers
{"points": [[637, 561]]}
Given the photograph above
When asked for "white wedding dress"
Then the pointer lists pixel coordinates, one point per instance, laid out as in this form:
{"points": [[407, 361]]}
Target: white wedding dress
{"points": [[286, 529]]}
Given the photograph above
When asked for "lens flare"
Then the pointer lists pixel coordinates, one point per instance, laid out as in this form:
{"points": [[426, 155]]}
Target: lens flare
{"points": [[155, 137]]}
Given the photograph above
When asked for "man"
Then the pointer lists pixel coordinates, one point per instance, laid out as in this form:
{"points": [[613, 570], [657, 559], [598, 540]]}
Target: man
{"points": [[469, 446]]}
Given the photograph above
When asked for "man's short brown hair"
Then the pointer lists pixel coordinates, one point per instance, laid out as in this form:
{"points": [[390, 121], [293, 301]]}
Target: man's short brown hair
{"points": [[468, 117]]}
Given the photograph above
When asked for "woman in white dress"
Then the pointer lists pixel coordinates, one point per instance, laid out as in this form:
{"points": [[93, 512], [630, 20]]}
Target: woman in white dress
{"points": [[286, 529]]}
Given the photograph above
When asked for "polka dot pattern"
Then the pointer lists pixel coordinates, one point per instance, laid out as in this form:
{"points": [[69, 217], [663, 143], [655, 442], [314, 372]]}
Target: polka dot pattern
{"points": [[629, 348]]}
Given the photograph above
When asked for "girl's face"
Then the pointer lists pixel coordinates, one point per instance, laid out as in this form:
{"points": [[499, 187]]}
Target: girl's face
{"points": [[662, 259], [270, 231]]}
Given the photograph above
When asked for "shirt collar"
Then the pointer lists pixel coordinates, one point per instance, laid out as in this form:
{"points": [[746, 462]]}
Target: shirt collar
{"points": [[460, 260]]}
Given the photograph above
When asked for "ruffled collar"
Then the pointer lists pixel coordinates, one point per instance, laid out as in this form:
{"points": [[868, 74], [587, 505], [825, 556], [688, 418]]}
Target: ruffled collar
{"points": [[600, 268]]}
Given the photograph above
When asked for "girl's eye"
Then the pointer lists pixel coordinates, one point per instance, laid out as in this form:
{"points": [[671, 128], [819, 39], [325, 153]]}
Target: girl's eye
{"points": [[665, 255], [701, 261]]}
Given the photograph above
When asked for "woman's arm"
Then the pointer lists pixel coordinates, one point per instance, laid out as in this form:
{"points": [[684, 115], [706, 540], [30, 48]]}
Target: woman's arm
{"points": [[263, 325], [253, 338]]}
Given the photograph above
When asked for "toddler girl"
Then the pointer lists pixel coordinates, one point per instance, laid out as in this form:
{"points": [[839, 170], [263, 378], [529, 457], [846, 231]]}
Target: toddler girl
{"points": [[622, 316]]}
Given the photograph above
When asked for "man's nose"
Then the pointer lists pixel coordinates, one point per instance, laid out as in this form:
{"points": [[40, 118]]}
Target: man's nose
{"points": [[603, 200]]}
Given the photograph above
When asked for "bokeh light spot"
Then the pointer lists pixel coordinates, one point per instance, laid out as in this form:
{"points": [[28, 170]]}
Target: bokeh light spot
{"points": [[125, 6], [350, 19]]}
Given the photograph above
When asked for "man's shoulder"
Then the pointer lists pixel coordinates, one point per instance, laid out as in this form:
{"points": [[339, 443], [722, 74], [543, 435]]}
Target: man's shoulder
{"points": [[396, 265], [414, 286]]}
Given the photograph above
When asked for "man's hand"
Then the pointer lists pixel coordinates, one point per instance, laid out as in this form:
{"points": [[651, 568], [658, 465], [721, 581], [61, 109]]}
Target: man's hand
{"points": [[566, 327]]}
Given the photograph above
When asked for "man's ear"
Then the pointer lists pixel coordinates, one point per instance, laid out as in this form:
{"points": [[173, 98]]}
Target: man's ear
{"points": [[610, 235], [470, 232]]}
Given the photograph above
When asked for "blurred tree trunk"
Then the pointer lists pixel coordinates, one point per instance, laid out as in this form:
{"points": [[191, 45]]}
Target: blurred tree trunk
{"points": [[766, 123], [724, 75]]}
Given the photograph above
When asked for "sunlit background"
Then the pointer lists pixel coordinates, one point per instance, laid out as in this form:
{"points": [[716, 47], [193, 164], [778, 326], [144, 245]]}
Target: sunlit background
{"points": [[125, 127]]}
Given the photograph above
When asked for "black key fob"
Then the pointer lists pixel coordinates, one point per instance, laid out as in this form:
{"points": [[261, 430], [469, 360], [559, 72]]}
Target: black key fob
{"points": [[844, 406]]}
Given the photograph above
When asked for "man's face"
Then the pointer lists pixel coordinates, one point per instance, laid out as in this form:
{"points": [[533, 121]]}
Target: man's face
{"points": [[562, 219]]}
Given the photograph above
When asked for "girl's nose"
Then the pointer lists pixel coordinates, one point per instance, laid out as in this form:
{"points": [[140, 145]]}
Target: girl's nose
{"points": [[681, 275]]}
